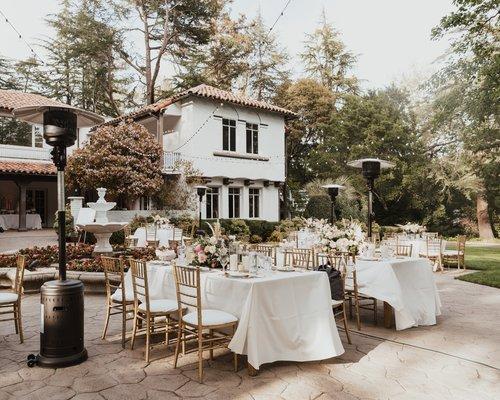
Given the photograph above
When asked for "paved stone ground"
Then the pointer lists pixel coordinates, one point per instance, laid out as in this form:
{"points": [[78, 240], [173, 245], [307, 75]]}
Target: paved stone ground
{"points": [[12, 240], [457, 359]]}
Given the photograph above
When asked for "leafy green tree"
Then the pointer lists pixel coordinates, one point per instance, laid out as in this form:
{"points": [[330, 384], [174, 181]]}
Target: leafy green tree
{"points": [[7, 75], [266, 65], [327, 59], [124, 159], [466, 97]]}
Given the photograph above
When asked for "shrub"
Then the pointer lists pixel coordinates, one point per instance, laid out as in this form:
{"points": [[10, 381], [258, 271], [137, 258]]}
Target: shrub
{"points": [[255, 239], [86, 265], [70, 231], [184, 222], [289, 225], [276, 236], [7, 261], [318, 207], [79, 251], [261, 228]]}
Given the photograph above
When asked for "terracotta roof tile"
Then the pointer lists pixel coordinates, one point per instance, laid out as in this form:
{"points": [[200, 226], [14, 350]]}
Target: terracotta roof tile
{"points": [[205, 91], [15, 167], [11, 99]]}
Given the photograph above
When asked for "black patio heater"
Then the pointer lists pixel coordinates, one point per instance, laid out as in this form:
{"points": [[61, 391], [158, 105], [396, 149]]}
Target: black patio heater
{"points": [[333, 191], [62, 302], [200, 191], [370, 167]]}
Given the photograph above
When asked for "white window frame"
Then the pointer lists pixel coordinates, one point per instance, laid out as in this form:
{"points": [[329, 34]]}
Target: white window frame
{"points": [[232, 202], [211, 193], [230, 124], [252, 138], [254, 200]]}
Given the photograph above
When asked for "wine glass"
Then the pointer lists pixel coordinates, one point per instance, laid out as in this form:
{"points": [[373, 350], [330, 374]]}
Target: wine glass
{"points": [[223, 262]]}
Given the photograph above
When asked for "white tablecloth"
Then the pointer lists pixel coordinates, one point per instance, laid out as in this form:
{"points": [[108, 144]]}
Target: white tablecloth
{"points": [[284, 316], [163, 235], [419, 246], [406, 284], [11, 221]]}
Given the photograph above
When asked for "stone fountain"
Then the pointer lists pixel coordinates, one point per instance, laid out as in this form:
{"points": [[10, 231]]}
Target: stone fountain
{"points": [[102, 228]]}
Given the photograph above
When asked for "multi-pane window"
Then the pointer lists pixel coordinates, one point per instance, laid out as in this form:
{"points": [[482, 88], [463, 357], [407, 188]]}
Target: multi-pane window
{"points": [[252, 138], [228, 134], [254, 203], [234, 202], [145, 203], [212, 203]]}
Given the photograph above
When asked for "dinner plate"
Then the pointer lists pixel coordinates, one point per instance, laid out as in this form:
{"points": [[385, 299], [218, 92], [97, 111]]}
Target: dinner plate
{"points": [[159, 262], [281, 269], [237, 274]]}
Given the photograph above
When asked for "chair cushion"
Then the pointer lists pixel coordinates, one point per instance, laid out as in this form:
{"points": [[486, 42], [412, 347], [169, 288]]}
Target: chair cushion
{"points": [[336, 303], [452, 253], [117, 296], [160, 306], [8, 297], [210, 318]]}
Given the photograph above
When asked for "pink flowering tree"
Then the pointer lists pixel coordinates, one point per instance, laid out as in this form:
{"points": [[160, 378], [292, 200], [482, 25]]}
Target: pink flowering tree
{"points": [[125, 159]]}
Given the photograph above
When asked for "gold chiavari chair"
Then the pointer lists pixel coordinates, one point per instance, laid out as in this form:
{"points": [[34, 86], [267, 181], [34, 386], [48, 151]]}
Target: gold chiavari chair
{"points": [[432, 250], [339, 263], [10, 302], [130, 240], [150, 316], [458, 255], [402, 249], [267, 249], [353, 294], [299, 258], [207, 328], [151, 235], [118, 301], [294, 237]]}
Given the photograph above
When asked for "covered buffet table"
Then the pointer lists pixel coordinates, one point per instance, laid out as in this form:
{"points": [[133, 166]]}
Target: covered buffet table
{"points": [[11, 221]]}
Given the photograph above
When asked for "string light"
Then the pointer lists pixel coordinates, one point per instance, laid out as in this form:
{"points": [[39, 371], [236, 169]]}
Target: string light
{"points": [[35, 54], [279, 16]]}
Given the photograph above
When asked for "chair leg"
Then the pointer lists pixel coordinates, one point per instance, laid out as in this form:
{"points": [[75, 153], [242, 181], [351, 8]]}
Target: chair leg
{"points": [[14, 311], [211, 335], [200, 355], [178, 343], [20, 322], [148, 333], [124, 324], [375, 311], [350, 307], [134, 331], [167, 331], [108, 312], [345, 325], [358, 321]]}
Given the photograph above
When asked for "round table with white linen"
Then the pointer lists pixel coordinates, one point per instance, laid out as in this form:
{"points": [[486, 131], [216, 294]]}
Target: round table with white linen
{"points": [[163, 235], [406, 284], [283, 316], [11, 221]]}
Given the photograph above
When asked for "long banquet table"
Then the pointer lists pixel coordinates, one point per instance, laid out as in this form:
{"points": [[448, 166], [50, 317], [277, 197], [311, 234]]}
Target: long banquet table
{"points": [[406, 284], [283, 316], [11, 221]]}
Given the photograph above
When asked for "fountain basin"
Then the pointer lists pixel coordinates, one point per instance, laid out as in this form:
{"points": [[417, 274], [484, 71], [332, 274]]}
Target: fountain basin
{"points": [[102, 233]]}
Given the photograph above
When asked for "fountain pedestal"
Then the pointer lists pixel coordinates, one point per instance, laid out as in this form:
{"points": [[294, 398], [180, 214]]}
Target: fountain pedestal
{"points": [[102, 228]]}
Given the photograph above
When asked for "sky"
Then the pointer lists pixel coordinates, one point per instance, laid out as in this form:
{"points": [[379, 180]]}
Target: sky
{"points": [[391, 38]]}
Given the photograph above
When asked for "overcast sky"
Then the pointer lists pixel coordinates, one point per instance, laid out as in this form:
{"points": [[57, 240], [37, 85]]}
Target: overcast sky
{"points": [[390, 37]]}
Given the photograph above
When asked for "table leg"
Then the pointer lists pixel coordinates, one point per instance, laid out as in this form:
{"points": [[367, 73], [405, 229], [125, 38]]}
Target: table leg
{"points": [[251, 370], [388, 315]]}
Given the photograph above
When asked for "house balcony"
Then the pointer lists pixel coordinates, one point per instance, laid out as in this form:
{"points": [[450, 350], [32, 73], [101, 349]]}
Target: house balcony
{"points": [[171, 162], [24, 152]]}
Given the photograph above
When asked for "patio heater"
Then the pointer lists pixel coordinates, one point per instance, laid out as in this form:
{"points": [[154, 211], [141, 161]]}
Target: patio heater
{"points": [[333, 191], [62, 301], [200, 191], [370, 167]]}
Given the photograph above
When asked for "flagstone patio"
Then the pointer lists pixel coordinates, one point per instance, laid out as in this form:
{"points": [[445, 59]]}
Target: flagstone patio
{"points": [[457, 359]]}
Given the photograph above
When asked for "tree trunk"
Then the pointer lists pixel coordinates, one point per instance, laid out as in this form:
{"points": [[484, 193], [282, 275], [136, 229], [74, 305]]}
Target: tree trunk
{"points": [[483, 218]]}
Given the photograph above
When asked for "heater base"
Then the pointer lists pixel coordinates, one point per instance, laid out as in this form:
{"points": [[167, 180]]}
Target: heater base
{"points": [[61, 362]]}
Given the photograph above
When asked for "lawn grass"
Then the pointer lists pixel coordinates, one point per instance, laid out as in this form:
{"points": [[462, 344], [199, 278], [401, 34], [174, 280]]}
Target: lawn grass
{"points": [[485, 259]]}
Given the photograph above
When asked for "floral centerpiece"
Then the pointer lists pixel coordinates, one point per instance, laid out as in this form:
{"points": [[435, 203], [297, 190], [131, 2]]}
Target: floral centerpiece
{"points": [[314, 224], [160, 222], [209, 251], [412, 227], [345, 235]]}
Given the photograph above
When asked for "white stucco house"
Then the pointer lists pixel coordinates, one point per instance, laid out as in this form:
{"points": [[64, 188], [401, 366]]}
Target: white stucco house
{"points": [[236, 142]]}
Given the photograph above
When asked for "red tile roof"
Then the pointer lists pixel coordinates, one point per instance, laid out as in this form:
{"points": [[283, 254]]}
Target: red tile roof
{"points": [[205, 91], [30, 168], [11, 99]]}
